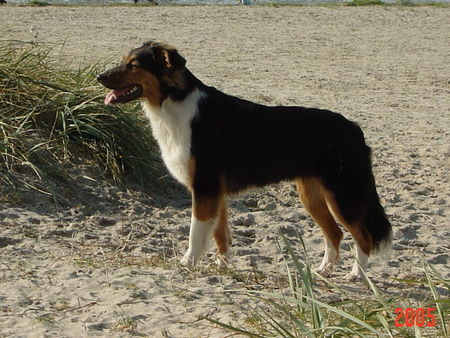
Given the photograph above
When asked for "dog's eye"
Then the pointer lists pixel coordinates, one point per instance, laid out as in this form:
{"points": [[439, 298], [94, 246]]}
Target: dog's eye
{"points": [[131, 66]]}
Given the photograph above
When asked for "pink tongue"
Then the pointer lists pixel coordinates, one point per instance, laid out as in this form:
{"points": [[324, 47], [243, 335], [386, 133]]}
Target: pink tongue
{"points": [[110, 97]]}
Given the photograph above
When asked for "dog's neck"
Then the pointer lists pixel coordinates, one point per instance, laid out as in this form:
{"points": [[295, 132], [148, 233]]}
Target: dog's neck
{"points": [[175, 95], [174, 107], [188, 84], [171, 126]]}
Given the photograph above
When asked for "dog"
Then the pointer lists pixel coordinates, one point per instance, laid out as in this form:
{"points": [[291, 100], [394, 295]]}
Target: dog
{"points": [[218, 145]]}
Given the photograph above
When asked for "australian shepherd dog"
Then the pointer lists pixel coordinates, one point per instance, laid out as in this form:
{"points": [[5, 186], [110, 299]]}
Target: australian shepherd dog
{"points": [[218, 145]]}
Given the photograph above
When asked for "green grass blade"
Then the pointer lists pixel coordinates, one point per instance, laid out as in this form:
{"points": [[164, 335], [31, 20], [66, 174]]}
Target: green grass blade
{"points": [[231, 328], [436, 297], [325, 306]]}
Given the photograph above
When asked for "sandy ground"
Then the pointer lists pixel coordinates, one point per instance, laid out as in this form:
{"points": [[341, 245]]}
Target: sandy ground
{"points": [[103, 262]]}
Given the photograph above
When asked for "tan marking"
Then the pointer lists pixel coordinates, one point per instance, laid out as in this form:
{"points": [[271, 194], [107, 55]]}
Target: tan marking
{"points": [[151, 88], [206, 208], [128, 58], [191, 172], [222, 234], [166, 57], [311, 193], [356, 229]]}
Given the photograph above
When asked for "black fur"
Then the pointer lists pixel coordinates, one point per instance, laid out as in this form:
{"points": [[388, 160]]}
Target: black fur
{"points": [[240, 144]]}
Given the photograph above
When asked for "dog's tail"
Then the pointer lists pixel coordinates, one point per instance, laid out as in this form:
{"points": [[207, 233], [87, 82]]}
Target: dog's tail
{"points": [[355, 193], [378, 226]]}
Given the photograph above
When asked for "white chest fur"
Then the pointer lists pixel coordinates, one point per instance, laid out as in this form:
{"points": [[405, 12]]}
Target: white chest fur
{"points": [[171, 126]]}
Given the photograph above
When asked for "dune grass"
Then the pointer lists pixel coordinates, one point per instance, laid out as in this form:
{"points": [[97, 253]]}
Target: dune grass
{"points": [[38, 3], [364, 3], [300, 312], [51, 114]]}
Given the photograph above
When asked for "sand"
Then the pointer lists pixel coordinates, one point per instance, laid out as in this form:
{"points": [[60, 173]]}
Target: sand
{"points": [[104, 261]]}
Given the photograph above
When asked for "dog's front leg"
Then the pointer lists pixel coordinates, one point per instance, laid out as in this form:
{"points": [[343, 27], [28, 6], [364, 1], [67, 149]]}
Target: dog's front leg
{"points": [[204, 220]]}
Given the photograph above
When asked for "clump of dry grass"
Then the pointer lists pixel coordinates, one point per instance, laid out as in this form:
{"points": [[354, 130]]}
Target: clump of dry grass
{"points": [[51, 114]]}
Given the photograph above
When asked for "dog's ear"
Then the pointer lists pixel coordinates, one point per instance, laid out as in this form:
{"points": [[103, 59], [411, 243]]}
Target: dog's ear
{"points": [[172, 59], [166, 55], [148, 43]]}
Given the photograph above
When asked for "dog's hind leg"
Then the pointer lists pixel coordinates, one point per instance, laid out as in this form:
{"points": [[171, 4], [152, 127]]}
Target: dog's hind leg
{"points": [[362, 238], [222, 236], [205, 219], [311, 194]]}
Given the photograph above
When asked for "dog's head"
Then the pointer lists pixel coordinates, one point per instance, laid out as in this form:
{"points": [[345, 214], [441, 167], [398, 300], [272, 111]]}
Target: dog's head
{"points": [[149, 72]]}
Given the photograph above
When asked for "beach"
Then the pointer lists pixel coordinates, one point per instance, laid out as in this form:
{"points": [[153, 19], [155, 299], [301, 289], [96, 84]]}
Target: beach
{"points": [[105, 262]]}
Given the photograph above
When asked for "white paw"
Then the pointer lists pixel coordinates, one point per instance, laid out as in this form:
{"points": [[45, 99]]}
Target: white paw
{"points": [[188, 260], [354, 276], [325, 270], [223, 261]]}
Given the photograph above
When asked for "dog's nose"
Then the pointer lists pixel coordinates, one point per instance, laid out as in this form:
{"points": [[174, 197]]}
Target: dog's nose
{"points": [[100, 77]]}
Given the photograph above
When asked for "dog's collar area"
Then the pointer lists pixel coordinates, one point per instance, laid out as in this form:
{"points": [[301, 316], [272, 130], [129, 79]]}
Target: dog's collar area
{"points": [[124, 95]]}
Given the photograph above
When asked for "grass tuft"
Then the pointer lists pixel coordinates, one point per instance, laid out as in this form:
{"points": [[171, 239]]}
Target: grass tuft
{"points": [[52, 115], [301, 311], [365, 3], [38, 3]]}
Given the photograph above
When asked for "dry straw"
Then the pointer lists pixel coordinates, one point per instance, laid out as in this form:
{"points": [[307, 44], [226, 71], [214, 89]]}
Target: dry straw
{"points": [[51, 114]]}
